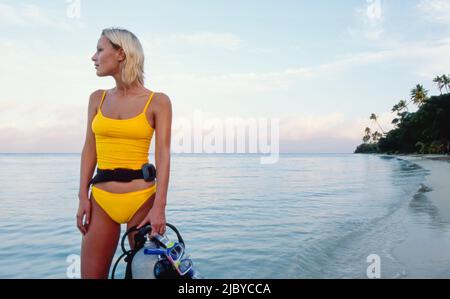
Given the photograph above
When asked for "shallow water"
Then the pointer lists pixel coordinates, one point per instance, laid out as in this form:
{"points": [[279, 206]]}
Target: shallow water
{"points": [[307, 216]]}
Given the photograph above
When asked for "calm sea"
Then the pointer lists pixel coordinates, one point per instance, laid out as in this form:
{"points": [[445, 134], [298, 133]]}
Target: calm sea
{"points": [[307, 216]]}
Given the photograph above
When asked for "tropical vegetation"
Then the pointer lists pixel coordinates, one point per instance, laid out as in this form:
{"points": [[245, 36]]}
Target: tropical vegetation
{"points": [[425, 131]]}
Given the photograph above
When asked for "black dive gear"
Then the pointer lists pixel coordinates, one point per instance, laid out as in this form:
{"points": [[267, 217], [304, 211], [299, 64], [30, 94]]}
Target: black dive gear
{"points": [[147, 172]]}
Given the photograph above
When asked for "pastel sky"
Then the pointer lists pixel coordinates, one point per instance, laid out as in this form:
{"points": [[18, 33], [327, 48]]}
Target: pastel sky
{"points": [[320, 67]]}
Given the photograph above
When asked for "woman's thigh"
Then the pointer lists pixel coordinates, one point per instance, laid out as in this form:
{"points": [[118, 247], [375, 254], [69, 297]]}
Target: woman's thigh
{"points": [[99, 243], [139, 216]]}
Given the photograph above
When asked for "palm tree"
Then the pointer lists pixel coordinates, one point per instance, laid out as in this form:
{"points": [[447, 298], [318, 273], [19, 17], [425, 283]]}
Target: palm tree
{"points": [[401, 105], [395, 108], [374, 117], [376, 136], [439, 82], [379, 135], [446, 82], [400, 108], [367, 136], [419, 95]]}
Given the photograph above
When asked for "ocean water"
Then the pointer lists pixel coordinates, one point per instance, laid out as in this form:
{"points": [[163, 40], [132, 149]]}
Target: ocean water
{"points": [[307, 216]]}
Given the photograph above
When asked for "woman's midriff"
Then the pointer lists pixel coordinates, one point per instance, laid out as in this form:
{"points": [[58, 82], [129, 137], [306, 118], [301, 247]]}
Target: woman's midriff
{"points": [[124, 187]]}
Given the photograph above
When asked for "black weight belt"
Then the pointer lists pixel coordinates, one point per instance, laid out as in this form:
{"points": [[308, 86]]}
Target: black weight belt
{"points": [[147, 172]]}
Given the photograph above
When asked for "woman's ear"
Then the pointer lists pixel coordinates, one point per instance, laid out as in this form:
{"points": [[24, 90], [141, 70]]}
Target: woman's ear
{"points": [[121, 55]]}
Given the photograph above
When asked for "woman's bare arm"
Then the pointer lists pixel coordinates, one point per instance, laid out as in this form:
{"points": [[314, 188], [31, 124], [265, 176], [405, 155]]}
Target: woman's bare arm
{"points": [[89, 153], [163, 127]]}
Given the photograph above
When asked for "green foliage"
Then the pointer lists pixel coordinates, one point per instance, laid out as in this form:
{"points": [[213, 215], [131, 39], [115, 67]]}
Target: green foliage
{"points": [[367, 148], [419, 95], [426, 131]]}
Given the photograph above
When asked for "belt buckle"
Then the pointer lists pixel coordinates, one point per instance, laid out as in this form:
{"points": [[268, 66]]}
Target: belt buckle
{"points": [[149, 172]]}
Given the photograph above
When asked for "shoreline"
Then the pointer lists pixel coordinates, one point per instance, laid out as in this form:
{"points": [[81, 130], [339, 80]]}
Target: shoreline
{"points": [[423, 253], [434, 157], [436, 181]]}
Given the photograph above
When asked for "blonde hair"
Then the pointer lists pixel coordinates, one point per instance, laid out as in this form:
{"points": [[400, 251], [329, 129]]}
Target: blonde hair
{"points": [[133, 66]]}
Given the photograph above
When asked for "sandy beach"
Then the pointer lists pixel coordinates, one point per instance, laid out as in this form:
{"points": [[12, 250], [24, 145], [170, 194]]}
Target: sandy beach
{"points": [[424, 250], [437, 183]]}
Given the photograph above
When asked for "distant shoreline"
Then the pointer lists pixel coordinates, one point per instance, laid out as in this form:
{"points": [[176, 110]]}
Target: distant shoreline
{"points": [[172, 153], [411, 157]]}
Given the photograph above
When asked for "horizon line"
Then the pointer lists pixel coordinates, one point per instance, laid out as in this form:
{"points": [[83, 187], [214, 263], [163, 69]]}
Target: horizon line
{"points": [[261, 154]]}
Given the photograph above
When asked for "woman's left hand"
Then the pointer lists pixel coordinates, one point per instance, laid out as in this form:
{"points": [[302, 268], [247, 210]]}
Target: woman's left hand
{"points": [[157, 218]]}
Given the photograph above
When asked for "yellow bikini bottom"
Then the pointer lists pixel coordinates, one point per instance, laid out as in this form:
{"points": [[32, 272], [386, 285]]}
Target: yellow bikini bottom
{"points": [[121, 207]]}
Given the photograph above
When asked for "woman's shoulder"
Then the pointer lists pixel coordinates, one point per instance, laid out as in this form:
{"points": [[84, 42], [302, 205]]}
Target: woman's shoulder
{"points": [[95, 98], [97, 94], [161, 99]]}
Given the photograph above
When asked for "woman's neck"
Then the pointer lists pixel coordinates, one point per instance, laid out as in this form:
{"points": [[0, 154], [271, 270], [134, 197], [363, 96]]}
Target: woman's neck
{"points": [[123, 90]]}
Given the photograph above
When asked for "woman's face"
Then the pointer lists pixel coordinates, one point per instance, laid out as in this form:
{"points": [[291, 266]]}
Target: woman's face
{"points": [[107, 59]]}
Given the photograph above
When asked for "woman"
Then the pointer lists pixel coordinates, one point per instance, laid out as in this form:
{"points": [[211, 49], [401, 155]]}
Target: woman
{"points": [[121, 123]]}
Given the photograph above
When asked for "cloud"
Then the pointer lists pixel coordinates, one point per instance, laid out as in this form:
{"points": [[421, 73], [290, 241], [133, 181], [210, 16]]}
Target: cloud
{"points": [[10, 16], [206, 40], [169, 52], [23, 60], [41, 139], [425, 59], [62, 78], [437, 11], [332, 132], [303, 127], [30, 15], [62, 98], [226, 41], [332, 125], [57, 92]]}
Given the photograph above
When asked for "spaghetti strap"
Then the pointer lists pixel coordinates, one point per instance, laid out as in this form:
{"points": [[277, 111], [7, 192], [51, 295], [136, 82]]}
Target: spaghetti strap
{"points": [[148, 102], [101, 102]]}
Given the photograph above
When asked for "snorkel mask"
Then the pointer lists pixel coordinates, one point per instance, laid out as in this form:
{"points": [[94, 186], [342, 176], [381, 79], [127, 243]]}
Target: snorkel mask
{"points": [[174, 253]]}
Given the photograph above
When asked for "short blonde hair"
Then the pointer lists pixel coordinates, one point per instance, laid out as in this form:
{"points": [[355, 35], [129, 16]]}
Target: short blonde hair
{"points": [[133, 65]]}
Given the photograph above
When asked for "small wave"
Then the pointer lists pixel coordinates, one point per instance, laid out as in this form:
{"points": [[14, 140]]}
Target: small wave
{"points": [[423, 189]]}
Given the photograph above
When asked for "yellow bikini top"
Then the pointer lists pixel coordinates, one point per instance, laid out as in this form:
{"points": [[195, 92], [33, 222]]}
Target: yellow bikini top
{"points": [[122, 143]]}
